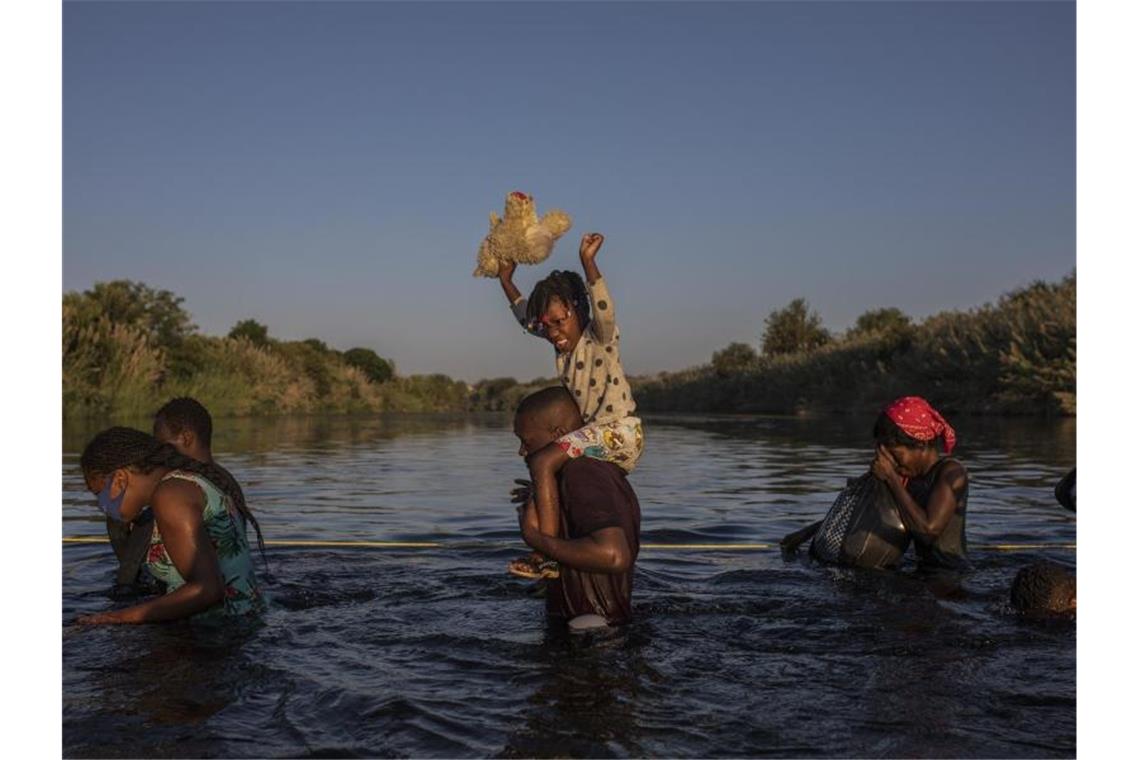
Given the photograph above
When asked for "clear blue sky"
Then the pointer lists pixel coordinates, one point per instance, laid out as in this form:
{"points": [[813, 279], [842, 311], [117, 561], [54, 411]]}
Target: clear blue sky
{"points": [[327, 169]]}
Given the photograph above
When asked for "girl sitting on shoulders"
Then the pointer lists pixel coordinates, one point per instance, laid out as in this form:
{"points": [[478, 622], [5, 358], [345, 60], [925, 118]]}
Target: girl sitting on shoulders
{"points": [[577, 318]]}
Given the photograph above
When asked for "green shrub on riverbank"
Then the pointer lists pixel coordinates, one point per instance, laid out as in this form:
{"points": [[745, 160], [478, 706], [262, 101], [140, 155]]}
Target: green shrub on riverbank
{"points": [[128, 348], [1015, 357]]}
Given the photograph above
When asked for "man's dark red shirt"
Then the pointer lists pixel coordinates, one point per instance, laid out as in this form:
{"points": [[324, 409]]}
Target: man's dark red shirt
{"points": [[595, 495]]}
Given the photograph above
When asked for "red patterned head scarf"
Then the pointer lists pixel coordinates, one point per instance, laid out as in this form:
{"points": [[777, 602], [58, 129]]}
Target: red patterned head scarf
{"points": [[917, 418]]}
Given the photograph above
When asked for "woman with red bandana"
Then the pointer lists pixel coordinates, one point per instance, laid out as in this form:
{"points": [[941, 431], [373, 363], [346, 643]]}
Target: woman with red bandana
{"points": [[930, 489]]}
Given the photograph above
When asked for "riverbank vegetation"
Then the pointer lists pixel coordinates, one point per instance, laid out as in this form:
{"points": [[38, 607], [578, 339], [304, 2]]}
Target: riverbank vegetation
{"points": [[1018, 356], [128, 348]]}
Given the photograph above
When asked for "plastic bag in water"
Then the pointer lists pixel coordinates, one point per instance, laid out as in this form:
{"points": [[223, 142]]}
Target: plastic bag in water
{"points": [[863, 527]]}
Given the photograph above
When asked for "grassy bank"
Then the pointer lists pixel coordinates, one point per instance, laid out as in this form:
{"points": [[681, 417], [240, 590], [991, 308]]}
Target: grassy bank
{"points": [[1017, 356], [128, 348]]}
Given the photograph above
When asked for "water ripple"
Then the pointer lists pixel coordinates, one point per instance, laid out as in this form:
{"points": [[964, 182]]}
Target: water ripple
{"points": [[438, 653]]}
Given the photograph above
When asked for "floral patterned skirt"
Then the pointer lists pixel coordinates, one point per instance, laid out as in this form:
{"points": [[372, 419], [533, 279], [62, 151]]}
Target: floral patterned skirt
{"points": [[618, 441]]}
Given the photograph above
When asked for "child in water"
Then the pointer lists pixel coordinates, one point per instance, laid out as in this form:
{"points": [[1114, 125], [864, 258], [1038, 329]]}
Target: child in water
{"points": [[578, 320], [930, 490], [1043, 588]]}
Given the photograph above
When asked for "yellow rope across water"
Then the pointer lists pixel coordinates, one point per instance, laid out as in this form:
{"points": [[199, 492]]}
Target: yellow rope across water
{"points": [[711, 547], [1021, 547], [302, 543], [726, 547]]}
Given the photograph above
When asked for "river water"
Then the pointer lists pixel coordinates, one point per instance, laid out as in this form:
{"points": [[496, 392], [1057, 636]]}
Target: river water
{"points": [[437, 652]]}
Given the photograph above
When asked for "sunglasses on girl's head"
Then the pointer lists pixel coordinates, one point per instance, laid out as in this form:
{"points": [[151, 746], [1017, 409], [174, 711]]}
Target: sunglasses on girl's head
{"points": [[541, 325]]}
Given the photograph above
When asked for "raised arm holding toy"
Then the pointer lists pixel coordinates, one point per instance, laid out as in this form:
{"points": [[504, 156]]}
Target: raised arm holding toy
{"points": [[577, 318]]}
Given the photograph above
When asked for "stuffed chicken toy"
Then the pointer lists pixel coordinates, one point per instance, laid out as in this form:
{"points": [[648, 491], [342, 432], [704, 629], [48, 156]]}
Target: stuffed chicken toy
{"points": [[520, 235]]}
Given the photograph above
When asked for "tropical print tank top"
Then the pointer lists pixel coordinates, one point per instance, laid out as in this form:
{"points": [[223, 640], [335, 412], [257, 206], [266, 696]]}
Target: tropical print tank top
{"points": [[226, 529]]}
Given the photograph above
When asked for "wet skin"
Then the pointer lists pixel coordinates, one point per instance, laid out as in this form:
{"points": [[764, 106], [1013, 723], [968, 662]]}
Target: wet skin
{"points": [[186, 441], [895, 464], [603, 551], [178, 506]]}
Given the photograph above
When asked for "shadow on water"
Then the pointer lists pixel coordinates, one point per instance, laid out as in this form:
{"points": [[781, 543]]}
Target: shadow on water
{"points": [[439, 653]]}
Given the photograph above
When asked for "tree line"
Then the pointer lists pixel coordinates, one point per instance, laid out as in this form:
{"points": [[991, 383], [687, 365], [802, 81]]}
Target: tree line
{"points": [[1018, 356], [128, 348]]}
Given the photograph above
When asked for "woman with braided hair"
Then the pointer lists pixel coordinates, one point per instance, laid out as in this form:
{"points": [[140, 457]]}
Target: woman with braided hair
{"points": [[198, 548], [187, 426], [577, 318]]}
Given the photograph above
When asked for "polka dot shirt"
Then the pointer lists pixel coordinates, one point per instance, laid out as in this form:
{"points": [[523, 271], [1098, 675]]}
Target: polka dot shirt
{"points": [[592, 372]]}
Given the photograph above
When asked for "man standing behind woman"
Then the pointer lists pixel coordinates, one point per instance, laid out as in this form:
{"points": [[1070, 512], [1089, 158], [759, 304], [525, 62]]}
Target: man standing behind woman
{"points": [[195, 543]]}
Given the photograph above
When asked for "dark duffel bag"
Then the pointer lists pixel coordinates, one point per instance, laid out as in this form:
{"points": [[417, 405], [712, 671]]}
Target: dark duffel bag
{"points": [[863, 527]]}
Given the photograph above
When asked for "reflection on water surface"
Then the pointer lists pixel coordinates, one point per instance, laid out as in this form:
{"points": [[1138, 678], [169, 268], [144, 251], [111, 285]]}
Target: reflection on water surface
{"points": [[438, 653]]}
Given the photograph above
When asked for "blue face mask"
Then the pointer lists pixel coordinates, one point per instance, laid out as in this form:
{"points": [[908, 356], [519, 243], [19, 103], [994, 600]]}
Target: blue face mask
{"points": [[113, 508]]}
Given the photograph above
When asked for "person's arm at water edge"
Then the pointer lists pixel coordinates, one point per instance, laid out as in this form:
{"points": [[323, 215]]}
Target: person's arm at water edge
{"points": [[603, 551], [925, 524], [178, 509], [792, 541]]}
